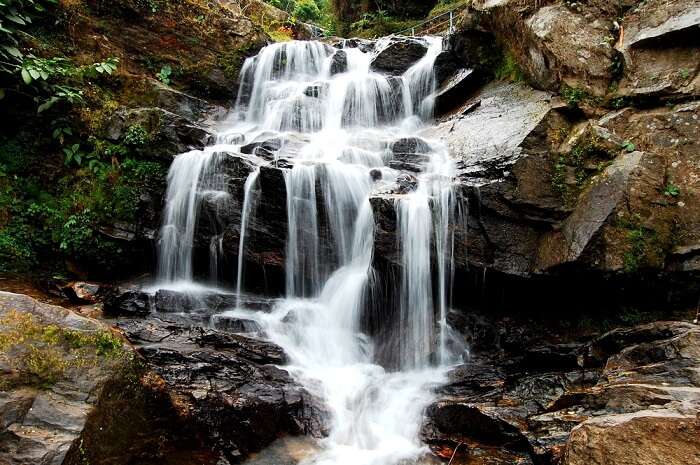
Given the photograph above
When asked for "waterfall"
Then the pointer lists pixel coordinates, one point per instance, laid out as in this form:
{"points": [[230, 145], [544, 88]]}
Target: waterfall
{"points": [[344, 124]]}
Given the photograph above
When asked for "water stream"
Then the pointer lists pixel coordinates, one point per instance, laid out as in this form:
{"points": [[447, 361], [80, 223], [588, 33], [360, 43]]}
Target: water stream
{"points": [[343, 127]]}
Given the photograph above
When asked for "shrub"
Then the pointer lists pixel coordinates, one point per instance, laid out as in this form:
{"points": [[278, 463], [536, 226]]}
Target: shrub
{"points": [[307, 10]]}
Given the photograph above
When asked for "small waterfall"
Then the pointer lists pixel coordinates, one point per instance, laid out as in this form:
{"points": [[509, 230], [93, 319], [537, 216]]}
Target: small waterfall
{"points": [[190, 174], [245, 218], [344, 124]]}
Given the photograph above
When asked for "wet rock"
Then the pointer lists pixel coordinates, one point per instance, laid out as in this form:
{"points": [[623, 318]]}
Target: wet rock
{"points": [[409, 162], [411, 145], [339, 62], [659, 46], [272, 145], [400, 54], [536, 401], [227, 385], [455, 90], [235, 325], [127, 302]]}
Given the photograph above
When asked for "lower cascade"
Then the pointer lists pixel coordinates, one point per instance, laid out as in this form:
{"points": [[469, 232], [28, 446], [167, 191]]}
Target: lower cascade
{"points": [[372, 359]]}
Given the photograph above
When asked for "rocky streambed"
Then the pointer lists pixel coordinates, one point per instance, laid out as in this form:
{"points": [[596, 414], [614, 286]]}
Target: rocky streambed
{"points": [[187, 387]]}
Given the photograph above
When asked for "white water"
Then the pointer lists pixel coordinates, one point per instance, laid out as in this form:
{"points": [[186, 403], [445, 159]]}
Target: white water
{"points": [[343, 127]]}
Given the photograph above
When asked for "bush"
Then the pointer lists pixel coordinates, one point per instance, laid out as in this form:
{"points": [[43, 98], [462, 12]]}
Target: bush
{"points": [[307, 10]]}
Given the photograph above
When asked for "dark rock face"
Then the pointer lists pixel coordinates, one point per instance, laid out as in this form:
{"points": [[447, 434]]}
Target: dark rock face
{"points": [[228, 385], [339, 62], [127, 302], [399, 55], [545, 404]]}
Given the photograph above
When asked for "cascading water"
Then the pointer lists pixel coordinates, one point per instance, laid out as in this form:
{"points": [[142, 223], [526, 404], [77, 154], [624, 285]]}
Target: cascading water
{"points": [[344, 125]]}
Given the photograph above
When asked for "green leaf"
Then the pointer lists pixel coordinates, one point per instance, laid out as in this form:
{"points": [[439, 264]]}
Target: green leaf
{"points": [[2, 94], [26, 77], [34, 73], [13, 51]]}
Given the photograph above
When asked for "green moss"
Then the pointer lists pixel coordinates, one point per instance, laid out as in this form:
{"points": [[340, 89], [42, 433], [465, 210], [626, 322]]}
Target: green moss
{"points": [[41, 354], [585, 160], [507, 69]]}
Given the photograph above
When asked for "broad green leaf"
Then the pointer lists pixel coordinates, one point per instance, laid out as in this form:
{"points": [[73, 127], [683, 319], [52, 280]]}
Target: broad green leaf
{"points": [[26, 77], [34, 73]]}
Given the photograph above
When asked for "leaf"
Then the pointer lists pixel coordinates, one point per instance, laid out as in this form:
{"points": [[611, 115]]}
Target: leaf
{"points": [[34, 73], [13, 51], [46, 105], [44, 75], [16, 19], [26, 77]]}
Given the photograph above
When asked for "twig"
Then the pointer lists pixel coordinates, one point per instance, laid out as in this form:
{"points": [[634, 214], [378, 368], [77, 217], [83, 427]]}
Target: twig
{"points": [[454, 452]]}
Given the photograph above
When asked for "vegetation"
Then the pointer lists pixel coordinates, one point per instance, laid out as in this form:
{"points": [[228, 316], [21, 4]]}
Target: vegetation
{"points": [[573, 170], [508, 69], [41, 354], [64, 183]]}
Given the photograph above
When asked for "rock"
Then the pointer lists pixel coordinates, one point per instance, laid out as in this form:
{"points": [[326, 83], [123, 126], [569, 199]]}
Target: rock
{"points": [[399, 55], [599, 211], [235, 325], [82, 292], [127, 302], [411, 145], [49, 388], [553, 45], [167, 134], [657, 436], [339, 62], [227, 386], [187, 106], [536, 399], [659, 44], [272, 145], [456, 90], [672, 133]]}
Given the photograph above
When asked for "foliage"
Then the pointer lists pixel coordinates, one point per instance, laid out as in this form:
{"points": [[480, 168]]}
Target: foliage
{"points": [[572, 95], [307, 10], [628, 146], [15, 16], [672, 190], [508, 69], [164, 74]]}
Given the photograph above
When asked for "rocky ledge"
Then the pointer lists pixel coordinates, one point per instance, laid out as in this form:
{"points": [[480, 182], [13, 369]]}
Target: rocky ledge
{"points": [[74, 392], [628, 396]]}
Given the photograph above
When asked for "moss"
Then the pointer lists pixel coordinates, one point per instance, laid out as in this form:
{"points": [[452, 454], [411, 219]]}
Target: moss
{"points": [[42, 354], [507, 69], [573, 170], [644, 247]]}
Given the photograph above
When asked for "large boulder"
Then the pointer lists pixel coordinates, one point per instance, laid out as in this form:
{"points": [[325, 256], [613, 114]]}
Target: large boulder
{"points": [[54, 364], [398, 55], [659, 44], [553, 45], [228, 385], [647, 437]]}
